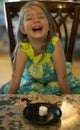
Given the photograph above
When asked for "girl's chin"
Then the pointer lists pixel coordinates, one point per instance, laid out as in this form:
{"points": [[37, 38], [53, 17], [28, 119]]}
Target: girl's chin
{"points": [[37, 37]]}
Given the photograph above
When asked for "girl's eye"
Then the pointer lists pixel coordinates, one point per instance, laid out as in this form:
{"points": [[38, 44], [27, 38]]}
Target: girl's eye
{"points": [[28, 18], [41, 16]]}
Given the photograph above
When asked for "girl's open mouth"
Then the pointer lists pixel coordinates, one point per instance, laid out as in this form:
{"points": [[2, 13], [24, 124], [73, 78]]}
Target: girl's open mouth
{"points": [[35, 29]]}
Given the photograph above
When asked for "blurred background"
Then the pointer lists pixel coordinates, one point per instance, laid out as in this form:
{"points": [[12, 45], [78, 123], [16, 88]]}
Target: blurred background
{"points": [[5, 63]]}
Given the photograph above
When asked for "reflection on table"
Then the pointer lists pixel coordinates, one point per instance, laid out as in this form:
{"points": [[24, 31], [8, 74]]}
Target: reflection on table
{"points": [[12, 106]]}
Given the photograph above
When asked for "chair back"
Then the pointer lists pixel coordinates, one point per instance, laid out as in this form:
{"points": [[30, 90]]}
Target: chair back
{"points": [[65, 16]]}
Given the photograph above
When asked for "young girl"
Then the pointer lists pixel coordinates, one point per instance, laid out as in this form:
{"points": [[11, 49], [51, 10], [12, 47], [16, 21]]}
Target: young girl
{"points": [[39, 64]]}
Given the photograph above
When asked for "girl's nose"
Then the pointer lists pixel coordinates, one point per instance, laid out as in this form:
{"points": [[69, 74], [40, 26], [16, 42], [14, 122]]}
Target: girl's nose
{"points": [[36, 20]]}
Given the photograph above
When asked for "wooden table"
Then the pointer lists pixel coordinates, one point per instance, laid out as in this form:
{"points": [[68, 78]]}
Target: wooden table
{"points": [[11, 112]]}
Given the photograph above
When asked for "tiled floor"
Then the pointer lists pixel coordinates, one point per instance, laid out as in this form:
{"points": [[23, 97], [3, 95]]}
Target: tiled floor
{"points": [[6, 70]]}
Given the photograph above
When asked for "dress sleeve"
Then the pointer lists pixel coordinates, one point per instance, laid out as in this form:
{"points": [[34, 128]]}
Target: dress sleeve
{"points": [[52, 43], [26, 47], [54, 40]]}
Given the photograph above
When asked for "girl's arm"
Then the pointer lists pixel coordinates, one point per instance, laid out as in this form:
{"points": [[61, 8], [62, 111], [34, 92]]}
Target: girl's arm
{"points": [[59, 62], [18, 68]]}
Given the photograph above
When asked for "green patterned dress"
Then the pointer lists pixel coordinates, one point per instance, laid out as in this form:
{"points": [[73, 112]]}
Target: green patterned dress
{"points": [[39, 75]]}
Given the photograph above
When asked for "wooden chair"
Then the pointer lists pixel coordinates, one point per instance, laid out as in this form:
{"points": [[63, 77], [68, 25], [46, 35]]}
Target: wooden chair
{"points": [[65, 16]]}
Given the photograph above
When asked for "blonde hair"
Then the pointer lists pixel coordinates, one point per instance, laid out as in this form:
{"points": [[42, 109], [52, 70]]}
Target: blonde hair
{"points": [[23, 38]]}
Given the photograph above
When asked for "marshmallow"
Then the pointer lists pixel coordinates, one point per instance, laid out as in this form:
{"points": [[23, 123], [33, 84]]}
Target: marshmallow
{"points": [[43, 110]]}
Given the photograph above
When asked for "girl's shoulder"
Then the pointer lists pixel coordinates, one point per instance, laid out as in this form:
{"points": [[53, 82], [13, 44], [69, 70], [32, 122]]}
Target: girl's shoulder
{"points": [[51, 44], [54, 40], [26, 47]]}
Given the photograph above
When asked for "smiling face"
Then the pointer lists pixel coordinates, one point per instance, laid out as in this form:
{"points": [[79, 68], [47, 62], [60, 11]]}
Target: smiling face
{"points": [[35, 23]]}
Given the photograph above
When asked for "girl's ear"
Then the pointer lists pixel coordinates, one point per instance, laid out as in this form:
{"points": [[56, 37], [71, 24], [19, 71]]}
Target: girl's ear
{"points": [[22, 29]]}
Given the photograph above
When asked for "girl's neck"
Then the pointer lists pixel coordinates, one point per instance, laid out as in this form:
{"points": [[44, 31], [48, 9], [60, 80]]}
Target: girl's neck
{"points": [[37, 45]]}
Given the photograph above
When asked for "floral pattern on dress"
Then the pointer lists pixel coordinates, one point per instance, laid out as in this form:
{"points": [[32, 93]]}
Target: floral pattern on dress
{"points": [[36, 71]]}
